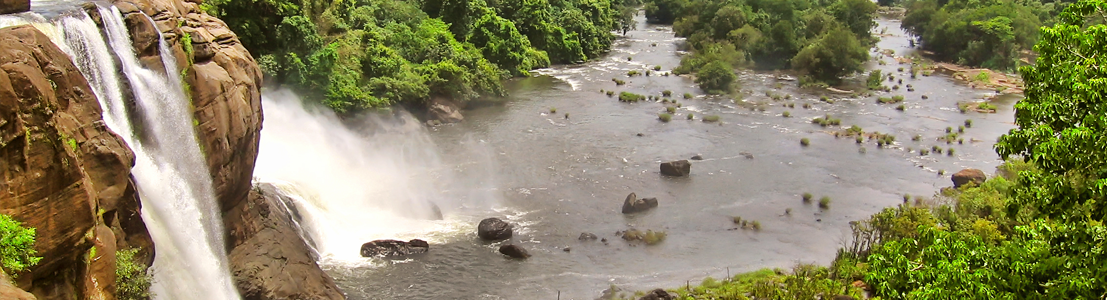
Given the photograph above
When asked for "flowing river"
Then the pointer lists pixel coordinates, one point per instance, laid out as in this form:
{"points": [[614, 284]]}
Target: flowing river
{"points": [[555, 177]]}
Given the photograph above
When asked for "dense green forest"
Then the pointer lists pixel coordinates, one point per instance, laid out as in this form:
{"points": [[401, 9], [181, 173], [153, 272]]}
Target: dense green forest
{"points": [[825, 39], [992, 34], [357, 54], [1034, 231]]}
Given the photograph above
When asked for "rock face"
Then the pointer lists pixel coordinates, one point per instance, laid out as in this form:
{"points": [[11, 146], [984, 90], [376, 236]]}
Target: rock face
{"points": [[633, 205], [443, 110], [268, 258], [394, 248], [65, 172], [966, 176], [225, 84], [10, 292], [14, 6], [514, 251], [676, 168], [493, 229]]}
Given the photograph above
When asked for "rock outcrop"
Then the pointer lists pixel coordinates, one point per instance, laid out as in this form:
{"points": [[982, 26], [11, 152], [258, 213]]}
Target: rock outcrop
{"points": [[225, 84], [268, 257], [966, 176], [634, 205], [443, 110], [394, 248], [65, 173], [14, 6], [658, 294], [493, 229], [10, 292], [676, 168]]}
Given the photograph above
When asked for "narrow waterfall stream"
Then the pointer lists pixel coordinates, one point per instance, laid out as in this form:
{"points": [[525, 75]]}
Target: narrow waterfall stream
{"points": [[178, 202]]}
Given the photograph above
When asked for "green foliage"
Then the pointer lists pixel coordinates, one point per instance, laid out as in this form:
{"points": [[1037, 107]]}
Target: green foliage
{"points": [[711, 118], [17, 251], [716, 77], [131, 277], [665, 117], [837, 54], [630, 97], [977, 33], [875, 80], [805, 142]]}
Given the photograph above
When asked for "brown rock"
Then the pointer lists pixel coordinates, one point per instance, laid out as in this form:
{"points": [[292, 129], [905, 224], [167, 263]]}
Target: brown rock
{"points": [[633, 205], [225, 85], [514, 251], [268, 258], [676, 168], [8, 291], [658, 294], [64, 170], [443, 110], [99, 280], [966, 176], [14, 6], [393, 248]]}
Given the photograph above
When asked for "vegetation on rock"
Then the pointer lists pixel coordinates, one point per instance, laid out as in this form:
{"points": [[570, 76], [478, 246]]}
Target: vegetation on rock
{"points": [[17, 246]]}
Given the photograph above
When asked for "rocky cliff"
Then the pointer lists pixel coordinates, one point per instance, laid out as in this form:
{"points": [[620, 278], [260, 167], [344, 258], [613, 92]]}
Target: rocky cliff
{"points": [[225, 84], [65, 173]]}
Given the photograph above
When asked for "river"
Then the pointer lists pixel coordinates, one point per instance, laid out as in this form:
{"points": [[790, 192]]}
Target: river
{"points": [[555, 177]]}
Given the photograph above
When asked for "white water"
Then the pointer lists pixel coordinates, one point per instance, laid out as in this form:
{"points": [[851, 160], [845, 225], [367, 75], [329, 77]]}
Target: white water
{"points": [[178, 202], [353, 187]]}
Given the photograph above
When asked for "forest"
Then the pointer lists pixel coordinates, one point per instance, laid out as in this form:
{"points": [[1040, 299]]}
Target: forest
{"points": [[360, 54], [824, 39]]}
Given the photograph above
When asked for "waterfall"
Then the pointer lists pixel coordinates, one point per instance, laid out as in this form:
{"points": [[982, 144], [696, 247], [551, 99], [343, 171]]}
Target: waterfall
{"points": [[178, 202]]}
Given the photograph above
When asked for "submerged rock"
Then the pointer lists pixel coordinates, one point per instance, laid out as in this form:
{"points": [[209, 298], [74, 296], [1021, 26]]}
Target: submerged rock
{"points": [[633, 205], [966, 176], [493, 229], [676, 168], [514, 251], [585, 236], [394, 248], [697, 157]]}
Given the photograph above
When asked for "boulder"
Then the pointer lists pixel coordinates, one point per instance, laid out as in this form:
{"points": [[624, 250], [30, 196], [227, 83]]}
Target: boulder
{"points": [[269, 259], [14, 6], [633, 205], [443, 110], [394, 248], [493, 229], [10, 292], [676, 168], [658, 294], [966, 176], [224, 84], [584, 236], [65, 171], [514, 251]]}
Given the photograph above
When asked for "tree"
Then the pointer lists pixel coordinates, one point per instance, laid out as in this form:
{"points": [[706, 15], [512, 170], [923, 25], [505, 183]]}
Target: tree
{"points": [[837, 54], [717, 77], [857, 15]]}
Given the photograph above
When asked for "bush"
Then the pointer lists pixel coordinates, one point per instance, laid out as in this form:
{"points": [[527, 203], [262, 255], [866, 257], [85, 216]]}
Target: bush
{"points": [[664, 117], [630, 97], [657, 68], [131, 278], [667, 93], [807, 197], [786, 114], [687, 95], [824, 202], [716, 77], [805, 142], [17, 246], [670, 109], [711, 118]]}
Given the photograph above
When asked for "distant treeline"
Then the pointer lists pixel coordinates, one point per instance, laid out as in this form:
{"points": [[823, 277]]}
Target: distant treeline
{"points": [[826, 39], [358, 54]]}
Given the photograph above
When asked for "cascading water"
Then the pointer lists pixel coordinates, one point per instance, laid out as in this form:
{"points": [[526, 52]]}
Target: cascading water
{"points": [[178, 202], [352, 187]]}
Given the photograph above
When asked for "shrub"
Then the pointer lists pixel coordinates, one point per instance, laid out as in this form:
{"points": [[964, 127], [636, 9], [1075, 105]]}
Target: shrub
{"points": [[670, 109], [711, 118], [653, 237], [968, 123], [667, 93], [949, 151], [553, 110], [687, 95], [716, 77], [986, 105], [17, 245], [756, 225], [664, 117], [690, 116], [630, 97], [949, 129], [824, 202], [859, 139], [805, 142], [610, 93], [657, 68], [807, 197], [633, 73], [786, 114], [901, 107], [897, 98], [132, 280]]}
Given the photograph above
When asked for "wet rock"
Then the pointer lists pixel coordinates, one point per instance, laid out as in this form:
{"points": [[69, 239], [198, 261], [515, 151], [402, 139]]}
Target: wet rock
{"points": [[640, 134], [14, 6], [514, 251], [658, 294], [696, 157], [268, 257], [584, 236], [966, 176], [394, 248], [493, 229], [747, 155], [676, 168], [444, 110], [633, 205], [567, 249]]}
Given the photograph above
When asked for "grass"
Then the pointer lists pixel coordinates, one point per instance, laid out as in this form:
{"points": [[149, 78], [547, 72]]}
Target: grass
{"points": [[805, 142], [711, 118], [824, 202], [987, 106], [664, 117]]}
